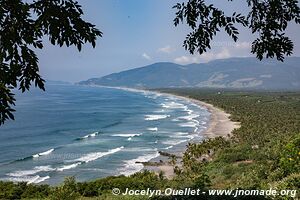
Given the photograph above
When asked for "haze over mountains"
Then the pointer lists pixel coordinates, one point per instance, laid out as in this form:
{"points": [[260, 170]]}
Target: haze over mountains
{"points": [[237, 73]]}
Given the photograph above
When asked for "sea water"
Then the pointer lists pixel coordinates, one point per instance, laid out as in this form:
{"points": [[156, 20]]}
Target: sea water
{"points": [[92, 132]]}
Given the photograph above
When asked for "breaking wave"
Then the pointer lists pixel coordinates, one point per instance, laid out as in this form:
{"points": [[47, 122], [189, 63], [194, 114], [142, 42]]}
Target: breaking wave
{"points": [[94, 134], [155, 117], [43, 153], [135, 165], [96, 155]]}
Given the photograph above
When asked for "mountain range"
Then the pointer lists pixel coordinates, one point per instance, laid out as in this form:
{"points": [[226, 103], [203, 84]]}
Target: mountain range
{"points": [[239, 73]]}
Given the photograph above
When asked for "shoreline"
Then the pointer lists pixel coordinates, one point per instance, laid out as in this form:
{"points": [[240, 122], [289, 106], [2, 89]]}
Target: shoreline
{"points": [[219, 124]]}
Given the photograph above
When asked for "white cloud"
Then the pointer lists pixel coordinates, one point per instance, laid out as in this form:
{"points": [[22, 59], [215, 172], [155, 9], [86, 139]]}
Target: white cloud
{"points": [[243, 45], [146, 56], [186, 59], [166, 49], [223, 54], [231, 44], [205, 57]]}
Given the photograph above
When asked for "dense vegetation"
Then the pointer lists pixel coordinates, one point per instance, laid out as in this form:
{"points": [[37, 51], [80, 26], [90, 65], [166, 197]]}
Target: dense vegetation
{"points": [[264, 153]]}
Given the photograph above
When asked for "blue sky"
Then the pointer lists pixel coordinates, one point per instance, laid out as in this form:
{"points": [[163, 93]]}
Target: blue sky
{"points": [[137, 33]]}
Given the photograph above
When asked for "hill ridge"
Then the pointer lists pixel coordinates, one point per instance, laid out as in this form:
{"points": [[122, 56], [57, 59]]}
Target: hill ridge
{"points": [[246, 72]]}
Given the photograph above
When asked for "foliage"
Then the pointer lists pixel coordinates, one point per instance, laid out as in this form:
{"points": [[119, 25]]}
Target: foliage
{"points": [[267, 19], [263, 151], [292, 182], [67, 191], [22, 27], [202, 181], [140, 180], [290, 160], [9, 190]]}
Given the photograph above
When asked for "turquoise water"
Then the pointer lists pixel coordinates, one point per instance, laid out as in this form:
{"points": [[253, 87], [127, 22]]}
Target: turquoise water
{"points": [[91, 132]]}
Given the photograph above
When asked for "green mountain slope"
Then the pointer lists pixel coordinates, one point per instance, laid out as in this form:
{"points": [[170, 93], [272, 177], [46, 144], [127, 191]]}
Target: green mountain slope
{"points": [[226, 73]]}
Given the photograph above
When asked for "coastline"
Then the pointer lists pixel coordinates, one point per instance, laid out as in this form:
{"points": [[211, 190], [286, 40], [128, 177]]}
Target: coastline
{"points": [[219, 125]]}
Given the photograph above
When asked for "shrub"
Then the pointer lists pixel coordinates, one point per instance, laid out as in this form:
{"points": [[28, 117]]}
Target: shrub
{"points": [[290, 159], [67, 191]]}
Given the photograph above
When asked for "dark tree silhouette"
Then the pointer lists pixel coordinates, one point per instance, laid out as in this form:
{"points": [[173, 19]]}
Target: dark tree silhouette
{"points": [[22, 27], [267, 18]]}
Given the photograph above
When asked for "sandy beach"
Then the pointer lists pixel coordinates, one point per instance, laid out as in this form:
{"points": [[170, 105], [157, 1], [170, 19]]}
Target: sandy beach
{"points": [[219, 125]]}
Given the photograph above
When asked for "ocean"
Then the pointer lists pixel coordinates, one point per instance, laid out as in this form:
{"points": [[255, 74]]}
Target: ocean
{"points": [[92, 132]]}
